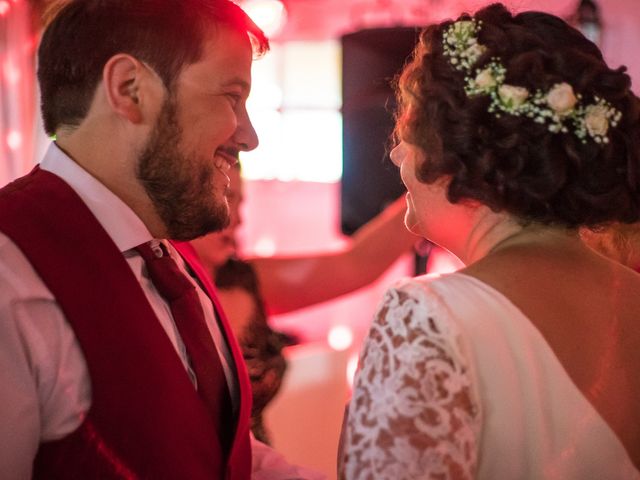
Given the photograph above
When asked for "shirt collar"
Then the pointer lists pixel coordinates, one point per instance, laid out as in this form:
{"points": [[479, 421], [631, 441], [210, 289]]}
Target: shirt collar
{"points": [[120, 222]]}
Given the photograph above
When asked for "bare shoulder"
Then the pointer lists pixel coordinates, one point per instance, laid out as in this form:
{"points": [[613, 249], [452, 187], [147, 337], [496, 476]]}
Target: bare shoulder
{"points": [[550, 285], [587, 308], [525, 272]]}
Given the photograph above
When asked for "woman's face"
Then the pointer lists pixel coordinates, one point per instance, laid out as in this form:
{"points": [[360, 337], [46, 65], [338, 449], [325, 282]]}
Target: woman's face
{"points": [[428, 210]]}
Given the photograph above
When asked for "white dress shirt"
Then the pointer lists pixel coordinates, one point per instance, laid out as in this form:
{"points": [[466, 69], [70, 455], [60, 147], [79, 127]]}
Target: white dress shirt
{"points": [[45, 389]]}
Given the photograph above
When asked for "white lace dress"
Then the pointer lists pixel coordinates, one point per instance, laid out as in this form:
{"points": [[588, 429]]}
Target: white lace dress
{"points": [[455, 382]]}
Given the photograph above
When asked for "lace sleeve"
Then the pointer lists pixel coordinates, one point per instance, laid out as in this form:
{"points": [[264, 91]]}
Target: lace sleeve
{"points": [[412, 414]]}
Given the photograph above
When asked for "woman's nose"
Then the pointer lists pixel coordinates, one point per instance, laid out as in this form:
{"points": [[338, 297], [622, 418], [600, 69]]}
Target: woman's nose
{"points": [[396, 155]]}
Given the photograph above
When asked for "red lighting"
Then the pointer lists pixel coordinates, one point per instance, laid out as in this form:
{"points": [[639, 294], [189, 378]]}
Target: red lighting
{"points": [[4, 7], [14, 140], [11, 72], [269, 15]]}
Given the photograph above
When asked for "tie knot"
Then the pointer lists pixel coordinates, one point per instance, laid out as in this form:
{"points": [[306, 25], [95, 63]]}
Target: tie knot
{"points": [[164, 272], [152, 250]]}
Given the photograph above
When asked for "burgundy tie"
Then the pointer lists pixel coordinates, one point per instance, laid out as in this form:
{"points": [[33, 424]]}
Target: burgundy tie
{"points": [[188, 316]]}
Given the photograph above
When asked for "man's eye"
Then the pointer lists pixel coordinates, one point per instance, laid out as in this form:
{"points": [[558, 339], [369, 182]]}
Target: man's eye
{"points": [[234, 98]]}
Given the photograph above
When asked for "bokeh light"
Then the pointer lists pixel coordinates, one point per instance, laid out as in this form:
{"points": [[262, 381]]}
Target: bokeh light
{"points": [[340, 337], [269, 15], [14, 140]]}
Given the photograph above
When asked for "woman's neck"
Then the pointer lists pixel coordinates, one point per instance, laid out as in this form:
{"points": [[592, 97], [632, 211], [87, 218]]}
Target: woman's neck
{"points": [[538, 235], [488, 230], [494, 232]]}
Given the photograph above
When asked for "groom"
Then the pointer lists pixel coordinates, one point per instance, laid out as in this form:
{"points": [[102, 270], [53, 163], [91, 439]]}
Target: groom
{"points": [[99, 375]]}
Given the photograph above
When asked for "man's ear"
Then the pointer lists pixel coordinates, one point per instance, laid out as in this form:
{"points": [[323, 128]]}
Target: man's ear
{"points": [[124, 78]]}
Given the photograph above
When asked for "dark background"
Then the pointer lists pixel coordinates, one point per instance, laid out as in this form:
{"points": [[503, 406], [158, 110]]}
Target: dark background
{"points": [[370, 61]]}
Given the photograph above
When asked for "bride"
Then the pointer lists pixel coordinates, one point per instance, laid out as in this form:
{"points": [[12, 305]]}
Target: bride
{"points": [[512, 135]]}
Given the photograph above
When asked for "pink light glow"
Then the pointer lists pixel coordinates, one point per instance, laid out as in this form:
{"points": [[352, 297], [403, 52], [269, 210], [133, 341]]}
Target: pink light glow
{"points": [[441, 261], [4, 7], [11, 72], [340, 337], [269, 15], [30, 45], [265, 246], [352, 366], [14, 140]]}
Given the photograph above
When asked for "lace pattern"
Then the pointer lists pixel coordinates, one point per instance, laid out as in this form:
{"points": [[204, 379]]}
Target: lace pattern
{"points": [[412, 414]]}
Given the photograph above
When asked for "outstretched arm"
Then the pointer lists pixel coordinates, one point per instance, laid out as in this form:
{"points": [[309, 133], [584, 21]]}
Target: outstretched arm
{"points": [[289, 283]]}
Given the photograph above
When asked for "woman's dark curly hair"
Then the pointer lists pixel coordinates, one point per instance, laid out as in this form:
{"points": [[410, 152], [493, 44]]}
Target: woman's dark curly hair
{"points": [[510, 163]]}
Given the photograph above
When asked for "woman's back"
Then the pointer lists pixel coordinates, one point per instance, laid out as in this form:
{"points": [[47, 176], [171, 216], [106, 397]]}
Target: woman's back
{"points": [[587, 309]]}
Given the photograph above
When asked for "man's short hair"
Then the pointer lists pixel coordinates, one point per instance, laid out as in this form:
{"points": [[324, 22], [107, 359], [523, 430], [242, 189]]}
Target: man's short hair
{"points": [[83, 34]]}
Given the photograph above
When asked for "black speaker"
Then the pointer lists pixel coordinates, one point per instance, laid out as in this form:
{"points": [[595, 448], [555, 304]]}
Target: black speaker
{"points": [[370, 60]]}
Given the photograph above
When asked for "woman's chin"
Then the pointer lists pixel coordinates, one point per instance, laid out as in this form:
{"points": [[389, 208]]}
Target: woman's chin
{"points": [[411, 223]]}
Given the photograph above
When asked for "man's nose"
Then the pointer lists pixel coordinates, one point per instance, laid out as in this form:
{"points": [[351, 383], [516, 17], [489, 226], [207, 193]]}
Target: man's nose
{"points": [[246, 137]]}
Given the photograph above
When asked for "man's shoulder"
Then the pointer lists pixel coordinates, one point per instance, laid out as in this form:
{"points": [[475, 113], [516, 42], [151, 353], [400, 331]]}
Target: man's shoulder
{"points": [[18, 279], [17, 184]]}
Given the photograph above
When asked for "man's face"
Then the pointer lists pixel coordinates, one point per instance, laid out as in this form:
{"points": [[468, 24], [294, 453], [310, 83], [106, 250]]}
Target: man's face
{"points": [[202, 125]]}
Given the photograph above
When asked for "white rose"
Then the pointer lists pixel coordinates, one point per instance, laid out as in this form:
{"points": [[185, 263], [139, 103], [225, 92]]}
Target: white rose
{"points": [[513, 96], [561, 98], [596, 120], [485, 79]]}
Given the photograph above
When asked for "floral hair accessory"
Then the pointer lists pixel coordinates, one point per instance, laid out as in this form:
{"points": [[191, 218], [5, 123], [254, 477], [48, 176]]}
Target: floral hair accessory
{"points": [[560, 108], [461, 44]]}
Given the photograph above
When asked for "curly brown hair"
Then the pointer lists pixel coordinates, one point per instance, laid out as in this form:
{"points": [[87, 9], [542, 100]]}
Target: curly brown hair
{"points": [[511, 163]]}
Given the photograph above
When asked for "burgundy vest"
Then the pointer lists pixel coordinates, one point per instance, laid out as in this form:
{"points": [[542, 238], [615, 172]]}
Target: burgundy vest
{"points": [[146, 420]]}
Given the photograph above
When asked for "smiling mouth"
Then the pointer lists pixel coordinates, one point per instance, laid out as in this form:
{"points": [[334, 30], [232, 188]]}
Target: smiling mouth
{"points": [[225, 158], [222, 161]]}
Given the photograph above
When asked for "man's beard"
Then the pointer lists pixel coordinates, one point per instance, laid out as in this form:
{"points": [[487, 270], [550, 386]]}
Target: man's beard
{"points": [[178, 184]]}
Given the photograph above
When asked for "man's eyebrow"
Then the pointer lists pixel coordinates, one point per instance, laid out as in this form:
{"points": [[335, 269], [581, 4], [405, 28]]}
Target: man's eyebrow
{"points": [[237, 81]]}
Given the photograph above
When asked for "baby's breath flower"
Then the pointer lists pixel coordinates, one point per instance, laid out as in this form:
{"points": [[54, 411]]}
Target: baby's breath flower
{"points": [[461, 44], [474, 52], [464, 27], [559, 107]]}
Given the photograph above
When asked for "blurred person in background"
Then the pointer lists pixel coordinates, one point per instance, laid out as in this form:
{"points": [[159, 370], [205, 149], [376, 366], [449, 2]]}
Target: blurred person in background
{"points": [[289, 283], [249, 289]]}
